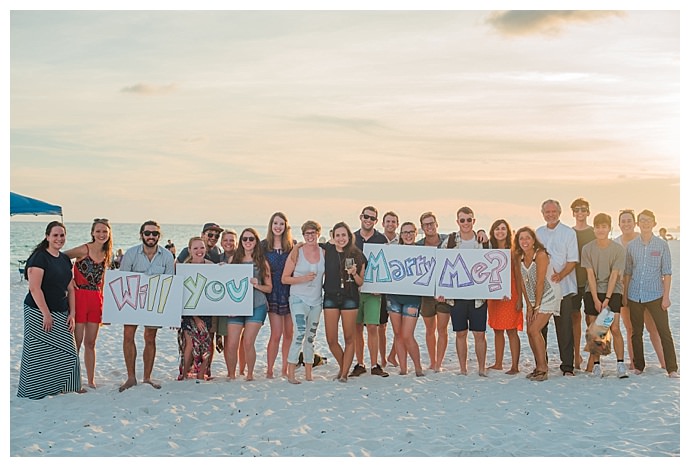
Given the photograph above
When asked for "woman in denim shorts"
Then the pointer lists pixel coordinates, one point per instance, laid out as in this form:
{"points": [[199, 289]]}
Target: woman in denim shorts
{"points": [[341, 295], [403, 312], [249, 252]]}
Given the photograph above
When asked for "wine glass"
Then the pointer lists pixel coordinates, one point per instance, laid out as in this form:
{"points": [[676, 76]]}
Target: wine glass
{"points": [[313, 268], [349, 262]]}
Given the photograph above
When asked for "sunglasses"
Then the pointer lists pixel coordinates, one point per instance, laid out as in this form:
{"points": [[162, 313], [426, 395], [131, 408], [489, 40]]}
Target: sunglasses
{"points": [[99, 221], [212, 235], [463, 220], [367, 217], [148, 233], [248, 239], [580, 209]]}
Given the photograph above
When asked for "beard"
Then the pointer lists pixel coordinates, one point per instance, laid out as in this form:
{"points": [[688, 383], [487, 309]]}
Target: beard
{"points": [[150, 241]]}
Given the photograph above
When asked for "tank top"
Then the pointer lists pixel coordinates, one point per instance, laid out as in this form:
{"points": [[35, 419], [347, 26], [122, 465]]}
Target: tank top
{"points": [[88, 274], [550, 301], [309, 292]]}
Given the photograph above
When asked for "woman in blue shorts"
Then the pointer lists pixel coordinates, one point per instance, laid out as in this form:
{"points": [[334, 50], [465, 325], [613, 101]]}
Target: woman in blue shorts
{"points": [[403, 312], [341, 294], [249, 252]]}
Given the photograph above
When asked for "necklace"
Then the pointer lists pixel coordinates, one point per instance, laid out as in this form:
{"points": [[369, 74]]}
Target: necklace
{"points": [[340, 263]]}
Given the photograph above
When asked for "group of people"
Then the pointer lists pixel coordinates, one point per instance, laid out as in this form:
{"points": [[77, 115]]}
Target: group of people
{"points": [[555, 270]]}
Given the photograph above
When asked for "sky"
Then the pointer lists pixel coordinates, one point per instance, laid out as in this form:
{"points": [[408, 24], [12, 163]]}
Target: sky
{"points": [[228, 116]]}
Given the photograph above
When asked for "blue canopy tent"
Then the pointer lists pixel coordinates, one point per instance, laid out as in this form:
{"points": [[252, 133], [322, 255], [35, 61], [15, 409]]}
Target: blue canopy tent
{"points": [[24, 205]]}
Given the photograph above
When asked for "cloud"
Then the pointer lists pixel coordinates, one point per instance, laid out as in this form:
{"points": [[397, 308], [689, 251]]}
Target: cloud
{"points": [[149, 89], [548, 22], [358, 124]]}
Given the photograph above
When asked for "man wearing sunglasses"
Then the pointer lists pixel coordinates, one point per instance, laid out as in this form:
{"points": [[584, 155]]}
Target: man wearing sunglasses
{"points": [[468, 314], [585, 234], [151, 259], [369, 313], [210, 234]]}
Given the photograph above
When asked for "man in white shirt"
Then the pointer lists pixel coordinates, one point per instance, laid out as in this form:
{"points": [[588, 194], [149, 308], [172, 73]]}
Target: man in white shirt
{"points": [[561, 244]]}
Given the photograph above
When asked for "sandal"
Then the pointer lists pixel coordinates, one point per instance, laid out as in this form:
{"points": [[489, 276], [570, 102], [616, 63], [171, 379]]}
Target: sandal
{"points": [[539, 376], [568, 373]]}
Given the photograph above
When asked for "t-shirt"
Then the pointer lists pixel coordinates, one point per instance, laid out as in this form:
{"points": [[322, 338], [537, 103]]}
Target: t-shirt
{"points": [[57, 274], [603, 261], [584, 236], [335, 278]]}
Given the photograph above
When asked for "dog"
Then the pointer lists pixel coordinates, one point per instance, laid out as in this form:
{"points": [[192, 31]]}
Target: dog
{"points": [[318, 359]]}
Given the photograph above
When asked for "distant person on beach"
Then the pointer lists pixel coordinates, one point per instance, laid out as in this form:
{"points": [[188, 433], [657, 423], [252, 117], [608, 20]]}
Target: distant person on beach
{"points": [[506, 315], [341, 294], [626, 223], [277, 246], [249, 251], [118, 259], [467, 314], [92, 260], [541, 295], [50, 362], [663, 234], [210, 233], [303, 272], [369, 313], [604, 261], [194, 338], [585, 234], [390, 231], [170, 246], [403, 311], [647, 285], [147, 258], [561, 243]]}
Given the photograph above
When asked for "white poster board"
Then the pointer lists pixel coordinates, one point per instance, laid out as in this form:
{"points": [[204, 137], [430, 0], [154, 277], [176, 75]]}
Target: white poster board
{"points": [[135, 298], [399, 269], [472, 273], [216, 289]]}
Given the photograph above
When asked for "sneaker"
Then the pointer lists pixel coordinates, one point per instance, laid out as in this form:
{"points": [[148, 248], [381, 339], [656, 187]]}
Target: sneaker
{"points": [[596, 371], [378, 371], [358, 370], [621, 371]]}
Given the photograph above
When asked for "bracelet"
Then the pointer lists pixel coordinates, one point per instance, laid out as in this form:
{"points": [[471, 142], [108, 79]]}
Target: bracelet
{"points": [[607, 298]]}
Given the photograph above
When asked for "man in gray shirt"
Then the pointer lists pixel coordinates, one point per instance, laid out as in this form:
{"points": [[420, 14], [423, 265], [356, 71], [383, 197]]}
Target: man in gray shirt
{"points": [[147, 258]]}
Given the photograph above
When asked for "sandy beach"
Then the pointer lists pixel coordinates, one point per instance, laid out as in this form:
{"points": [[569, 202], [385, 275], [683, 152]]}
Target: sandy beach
{"points": [[440, 414]]}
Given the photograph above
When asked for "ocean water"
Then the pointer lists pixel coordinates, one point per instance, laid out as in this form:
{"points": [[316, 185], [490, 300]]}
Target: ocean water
{"points": [[24, 236]]}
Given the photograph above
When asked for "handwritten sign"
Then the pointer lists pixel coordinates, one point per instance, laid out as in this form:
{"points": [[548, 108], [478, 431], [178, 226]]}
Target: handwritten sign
{"points": [[468, 273], [216, 289], [399, 269], [428, 271], [134, 298]]}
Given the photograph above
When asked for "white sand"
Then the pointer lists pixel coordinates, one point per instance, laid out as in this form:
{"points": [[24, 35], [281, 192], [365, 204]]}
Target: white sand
{"points": [[441, 414]]}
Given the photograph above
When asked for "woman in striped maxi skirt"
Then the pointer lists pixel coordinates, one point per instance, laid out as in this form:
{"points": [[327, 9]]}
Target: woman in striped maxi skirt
{"points": [[50, 364]]}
